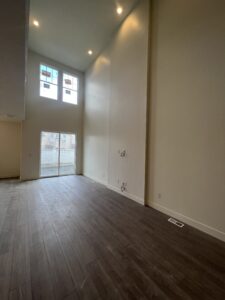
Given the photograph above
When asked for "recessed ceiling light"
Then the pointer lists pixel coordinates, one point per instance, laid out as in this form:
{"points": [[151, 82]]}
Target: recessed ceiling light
{"points": [[36, 23], [119, 10], [90, 52]]}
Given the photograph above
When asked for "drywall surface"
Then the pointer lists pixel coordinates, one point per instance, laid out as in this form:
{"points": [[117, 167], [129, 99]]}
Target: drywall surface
{"points": [[10, 139], [115, 108], [13, 21], [44, 114], [187, 177]]}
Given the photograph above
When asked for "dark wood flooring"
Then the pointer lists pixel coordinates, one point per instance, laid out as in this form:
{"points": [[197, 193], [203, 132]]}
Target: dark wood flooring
{"points": [[70, 238]]}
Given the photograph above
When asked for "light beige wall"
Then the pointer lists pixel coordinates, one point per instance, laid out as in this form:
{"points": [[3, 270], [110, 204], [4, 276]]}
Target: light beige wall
{"points": [[10, 139], [187, 163], [47, 115], [115, 108], [13, 22]]}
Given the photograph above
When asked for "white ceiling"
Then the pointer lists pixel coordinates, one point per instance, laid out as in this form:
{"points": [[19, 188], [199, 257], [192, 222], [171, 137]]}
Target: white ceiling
{"points": [[68, 28]]}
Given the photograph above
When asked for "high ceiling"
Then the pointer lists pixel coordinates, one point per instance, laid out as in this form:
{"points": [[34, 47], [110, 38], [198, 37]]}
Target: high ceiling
{"points": [[69, 28]]}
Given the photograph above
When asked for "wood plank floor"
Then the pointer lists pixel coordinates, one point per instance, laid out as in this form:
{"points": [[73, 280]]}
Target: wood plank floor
{"points": [[70, 238]]}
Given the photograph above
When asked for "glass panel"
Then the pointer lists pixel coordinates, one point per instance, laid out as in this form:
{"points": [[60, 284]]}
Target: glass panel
{"points": [[55, 77], [49, 154], [48, 82], [67, 154], [48, 74], [48, 90], [69, 96], [70, 82], [43, 70]]}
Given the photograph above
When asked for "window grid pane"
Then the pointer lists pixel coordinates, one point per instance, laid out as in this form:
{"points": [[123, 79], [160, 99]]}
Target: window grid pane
{"points": [[70, 89], [48, 82], [70, 82], [48, 90], [70, 96]]}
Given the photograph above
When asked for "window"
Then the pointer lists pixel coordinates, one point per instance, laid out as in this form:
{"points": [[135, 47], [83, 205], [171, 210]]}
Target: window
{"points": [[54, 83], [70, 89], [48, 82]]}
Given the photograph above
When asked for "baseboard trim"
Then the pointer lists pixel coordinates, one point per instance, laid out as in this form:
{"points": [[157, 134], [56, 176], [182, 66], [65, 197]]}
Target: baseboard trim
{"points": [[117, 190], [196, 224], [10, 178], [95, 179], [128, 195]]}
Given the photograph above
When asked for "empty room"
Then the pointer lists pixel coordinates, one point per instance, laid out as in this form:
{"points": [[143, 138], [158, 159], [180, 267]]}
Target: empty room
{"points": [[112, 150]]}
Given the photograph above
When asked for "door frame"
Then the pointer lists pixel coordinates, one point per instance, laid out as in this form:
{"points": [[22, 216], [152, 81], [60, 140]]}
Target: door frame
{"points": [[75, 156]]}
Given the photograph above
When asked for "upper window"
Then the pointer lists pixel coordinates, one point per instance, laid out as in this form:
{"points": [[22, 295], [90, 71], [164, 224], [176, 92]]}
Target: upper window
{"points": [[48, 82], [70, 89]]}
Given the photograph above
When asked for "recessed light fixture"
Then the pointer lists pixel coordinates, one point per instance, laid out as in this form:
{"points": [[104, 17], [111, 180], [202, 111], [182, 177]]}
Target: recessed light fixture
{"points": [[90, 52], [119, 10], [36, 23]]}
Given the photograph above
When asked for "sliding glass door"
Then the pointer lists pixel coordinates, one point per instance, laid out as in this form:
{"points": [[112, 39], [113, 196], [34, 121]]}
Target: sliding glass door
{"points": [[67, 154], [58, 154], [49, 154]]}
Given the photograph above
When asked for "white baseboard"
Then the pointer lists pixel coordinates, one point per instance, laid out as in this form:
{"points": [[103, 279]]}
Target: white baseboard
{"points": [[203, 227], [28, 179], [128, 195], [117, 190], [95, 179]]}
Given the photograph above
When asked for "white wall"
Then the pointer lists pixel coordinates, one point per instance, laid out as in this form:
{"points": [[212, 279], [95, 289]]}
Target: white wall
{"points": [[47, 115], [115, 108], [10, 138], [13, 21], [187, 163]]}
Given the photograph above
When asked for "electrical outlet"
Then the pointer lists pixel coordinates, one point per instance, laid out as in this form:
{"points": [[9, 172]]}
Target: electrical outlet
{"points": [[159, 195], [124, 187], [123, 153]]}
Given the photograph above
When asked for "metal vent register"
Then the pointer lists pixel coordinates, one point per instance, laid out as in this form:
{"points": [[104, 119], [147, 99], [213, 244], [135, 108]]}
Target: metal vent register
{"points": [[175, 222]]}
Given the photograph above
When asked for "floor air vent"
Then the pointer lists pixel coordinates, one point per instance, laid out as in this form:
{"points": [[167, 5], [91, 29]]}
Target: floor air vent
{"points": [[175, 222]]}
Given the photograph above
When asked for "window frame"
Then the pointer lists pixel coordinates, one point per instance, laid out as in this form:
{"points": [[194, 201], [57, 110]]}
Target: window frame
{"points": [[77, 91], [59, 85], [75, 157], [58, 81]]}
